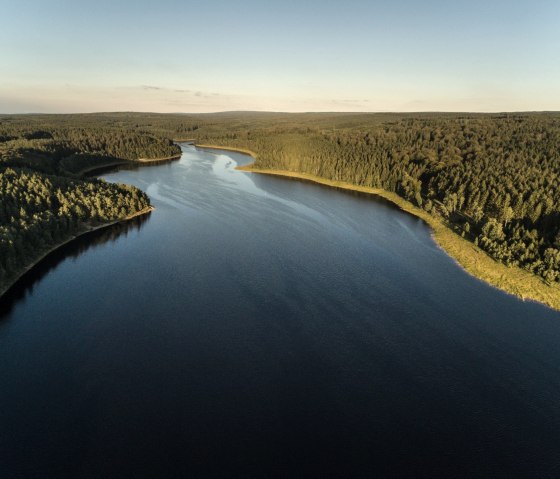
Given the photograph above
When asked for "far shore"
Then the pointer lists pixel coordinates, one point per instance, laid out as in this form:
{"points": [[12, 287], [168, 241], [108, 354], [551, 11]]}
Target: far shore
{"points": [[228, 148], [515, 281], [87, 228]]}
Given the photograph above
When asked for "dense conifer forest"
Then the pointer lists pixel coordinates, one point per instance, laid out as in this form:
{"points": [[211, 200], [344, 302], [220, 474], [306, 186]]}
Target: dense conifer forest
{"points": [[62, 144], [492, 178], [39, 211], [43, 202]]}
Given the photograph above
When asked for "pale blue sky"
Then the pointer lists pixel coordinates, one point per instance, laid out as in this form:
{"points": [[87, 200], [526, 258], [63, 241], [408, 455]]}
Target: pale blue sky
{"points": [[215, 55]]}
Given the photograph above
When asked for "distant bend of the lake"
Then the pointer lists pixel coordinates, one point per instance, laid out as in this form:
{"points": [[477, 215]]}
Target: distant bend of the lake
{"points": [[255, 326]]}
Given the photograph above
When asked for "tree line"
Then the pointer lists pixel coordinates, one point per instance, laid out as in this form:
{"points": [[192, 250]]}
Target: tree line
{"points": [[39, 211], [56, 146]]}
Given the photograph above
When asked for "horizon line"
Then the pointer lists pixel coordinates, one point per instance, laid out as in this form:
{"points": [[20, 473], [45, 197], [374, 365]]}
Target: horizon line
{"points": [[218, 112]]}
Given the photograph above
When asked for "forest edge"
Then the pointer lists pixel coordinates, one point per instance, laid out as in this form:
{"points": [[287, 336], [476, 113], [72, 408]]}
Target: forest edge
{"points": [[512, 280], [86, 228]]}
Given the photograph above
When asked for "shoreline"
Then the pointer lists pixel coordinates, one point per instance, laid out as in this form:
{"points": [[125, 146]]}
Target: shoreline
{"points": [[514, 281], [87, 228]]}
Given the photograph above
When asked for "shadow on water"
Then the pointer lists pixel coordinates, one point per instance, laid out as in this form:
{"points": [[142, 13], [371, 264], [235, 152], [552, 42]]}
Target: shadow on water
{"points": [[132, 166], [25, 285]]}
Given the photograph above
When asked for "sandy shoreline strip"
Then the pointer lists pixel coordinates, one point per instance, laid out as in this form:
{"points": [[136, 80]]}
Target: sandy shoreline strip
{"points": [[515, 281]]}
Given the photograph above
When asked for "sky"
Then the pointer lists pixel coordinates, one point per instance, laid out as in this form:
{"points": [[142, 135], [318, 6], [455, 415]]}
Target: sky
{"points": [[60, 56]]}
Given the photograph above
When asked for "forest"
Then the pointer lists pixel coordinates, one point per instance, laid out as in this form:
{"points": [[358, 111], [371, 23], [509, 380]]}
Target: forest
{"points": [[44, 201], [492, 178], [68, 144]]}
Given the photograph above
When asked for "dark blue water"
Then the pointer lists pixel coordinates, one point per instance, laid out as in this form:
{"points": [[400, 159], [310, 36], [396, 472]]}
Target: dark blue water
{"points": [[255, 326]]}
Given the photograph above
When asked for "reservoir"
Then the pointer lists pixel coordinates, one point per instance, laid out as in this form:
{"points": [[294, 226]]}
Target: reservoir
{"points": [[259, 326]]}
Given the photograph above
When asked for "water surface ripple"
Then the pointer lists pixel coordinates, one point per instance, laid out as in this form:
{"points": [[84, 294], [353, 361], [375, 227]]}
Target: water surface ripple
{"points": [[272, 328]]}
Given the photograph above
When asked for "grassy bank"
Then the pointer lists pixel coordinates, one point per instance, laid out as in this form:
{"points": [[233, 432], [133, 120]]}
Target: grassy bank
{"points": [[86, 228], [472, 259], [227, 148], [156, 160]]}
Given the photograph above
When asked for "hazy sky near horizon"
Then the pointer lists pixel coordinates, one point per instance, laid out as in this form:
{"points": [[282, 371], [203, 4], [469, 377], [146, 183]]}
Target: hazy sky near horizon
{"points": [[314, 55]]}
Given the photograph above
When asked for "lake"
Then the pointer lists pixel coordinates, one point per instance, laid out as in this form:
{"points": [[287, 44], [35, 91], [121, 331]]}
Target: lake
{"points": [[259, 326]]}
